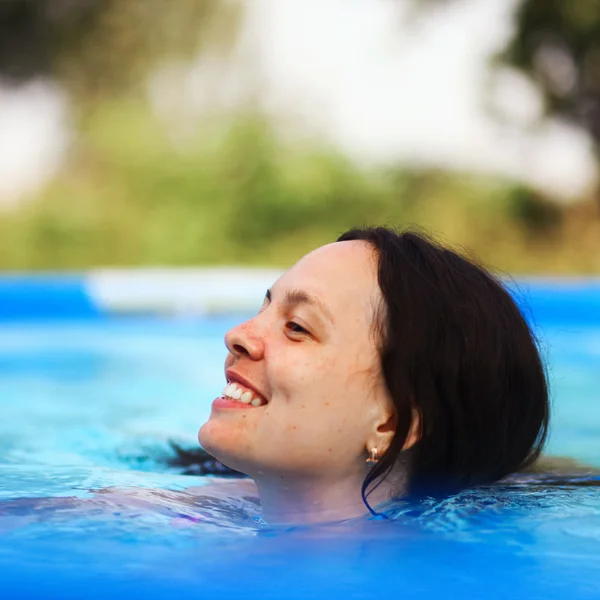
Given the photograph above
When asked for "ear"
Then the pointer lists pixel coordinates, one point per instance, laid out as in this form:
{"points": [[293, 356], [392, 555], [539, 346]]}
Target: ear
{"points": [[385, 430]]}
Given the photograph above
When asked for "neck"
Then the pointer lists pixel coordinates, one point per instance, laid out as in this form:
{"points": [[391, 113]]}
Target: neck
{"points": [[303, 501]]}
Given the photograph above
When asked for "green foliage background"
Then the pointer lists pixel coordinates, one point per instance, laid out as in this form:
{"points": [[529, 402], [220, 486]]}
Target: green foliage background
{"points": [[131, 194], [237, 195]]}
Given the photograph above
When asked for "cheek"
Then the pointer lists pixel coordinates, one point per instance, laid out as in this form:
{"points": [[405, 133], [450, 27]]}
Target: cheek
{"points": [[315, 395], [296, 374], [323, 422], [314, 439]]}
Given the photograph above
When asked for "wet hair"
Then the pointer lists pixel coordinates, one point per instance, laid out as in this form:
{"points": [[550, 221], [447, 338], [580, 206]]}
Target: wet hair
{"points": [[197, 461], [455, 348]]}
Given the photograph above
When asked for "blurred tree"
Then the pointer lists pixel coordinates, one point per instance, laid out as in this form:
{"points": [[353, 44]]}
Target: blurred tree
{"points": [[94, 46], [32, 33], [557, 43]]}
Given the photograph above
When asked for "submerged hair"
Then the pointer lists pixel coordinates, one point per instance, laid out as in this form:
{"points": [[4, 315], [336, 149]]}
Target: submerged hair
{"points": [[455, 349]]}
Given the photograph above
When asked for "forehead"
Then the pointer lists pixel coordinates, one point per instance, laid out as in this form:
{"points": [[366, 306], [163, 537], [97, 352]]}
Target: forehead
{"points": [[343, 275]]}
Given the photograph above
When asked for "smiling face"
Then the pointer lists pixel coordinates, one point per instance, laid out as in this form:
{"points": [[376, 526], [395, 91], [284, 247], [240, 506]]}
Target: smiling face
{"points": [[311, 355]]}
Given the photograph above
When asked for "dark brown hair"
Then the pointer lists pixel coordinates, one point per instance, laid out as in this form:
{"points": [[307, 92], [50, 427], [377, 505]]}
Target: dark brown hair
{"points": [[455, 348]]}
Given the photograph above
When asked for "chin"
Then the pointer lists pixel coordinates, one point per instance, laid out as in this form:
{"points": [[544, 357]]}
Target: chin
{"points": [[223, 445], [206, 438]]}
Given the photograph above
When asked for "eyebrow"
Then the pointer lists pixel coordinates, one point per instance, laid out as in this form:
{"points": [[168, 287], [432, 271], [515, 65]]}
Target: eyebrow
{"points": [[296, 297]]}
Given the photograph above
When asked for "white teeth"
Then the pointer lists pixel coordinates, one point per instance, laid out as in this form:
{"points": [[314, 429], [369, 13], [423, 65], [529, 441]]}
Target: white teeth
{"points": [[235, 392]]}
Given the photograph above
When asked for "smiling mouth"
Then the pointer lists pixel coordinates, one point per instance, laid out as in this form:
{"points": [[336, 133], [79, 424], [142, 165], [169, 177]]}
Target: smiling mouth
{"points": [[239, 393]]}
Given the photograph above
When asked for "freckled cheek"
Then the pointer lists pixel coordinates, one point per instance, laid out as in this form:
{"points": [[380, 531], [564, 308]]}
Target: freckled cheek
{"points": [[306, 390], [318, 415], [292, 377]]}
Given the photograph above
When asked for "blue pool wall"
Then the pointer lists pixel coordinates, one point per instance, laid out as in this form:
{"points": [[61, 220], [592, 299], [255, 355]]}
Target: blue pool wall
{"points": [[110, 293]]}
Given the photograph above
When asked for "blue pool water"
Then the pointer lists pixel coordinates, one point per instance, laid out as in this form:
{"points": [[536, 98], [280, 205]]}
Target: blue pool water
{"points": [[92, 405]]}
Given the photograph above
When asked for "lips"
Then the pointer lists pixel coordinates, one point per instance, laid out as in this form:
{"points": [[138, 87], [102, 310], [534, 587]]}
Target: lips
{"points": [[233, 377]]}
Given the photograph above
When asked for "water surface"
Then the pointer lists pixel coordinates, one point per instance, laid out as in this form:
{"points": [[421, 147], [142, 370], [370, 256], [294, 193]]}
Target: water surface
{"points": [[92, 405]]}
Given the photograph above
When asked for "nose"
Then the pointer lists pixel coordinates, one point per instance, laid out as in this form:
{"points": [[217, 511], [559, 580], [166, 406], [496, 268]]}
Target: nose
{"points": [[244, 340]]}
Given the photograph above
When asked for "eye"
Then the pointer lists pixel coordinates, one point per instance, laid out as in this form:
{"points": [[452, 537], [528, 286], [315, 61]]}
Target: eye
{"points": [[293, 327]]}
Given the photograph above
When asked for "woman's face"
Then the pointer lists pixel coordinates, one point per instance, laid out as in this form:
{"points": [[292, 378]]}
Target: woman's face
{"points": [[309, 357]]}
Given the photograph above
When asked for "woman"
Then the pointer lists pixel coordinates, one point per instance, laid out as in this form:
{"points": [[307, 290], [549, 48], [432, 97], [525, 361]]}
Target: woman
{"points": [[379, 366]]}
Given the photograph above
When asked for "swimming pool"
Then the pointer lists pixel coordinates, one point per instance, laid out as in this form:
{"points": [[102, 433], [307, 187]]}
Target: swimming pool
{"points": [[92, 403]]}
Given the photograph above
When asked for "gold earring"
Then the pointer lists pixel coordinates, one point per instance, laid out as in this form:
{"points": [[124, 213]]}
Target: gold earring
{"points": [[373, 457]]}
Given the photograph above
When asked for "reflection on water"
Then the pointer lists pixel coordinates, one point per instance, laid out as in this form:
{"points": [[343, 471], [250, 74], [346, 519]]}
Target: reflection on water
{"points": [[90, 505], [530, 537]]}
